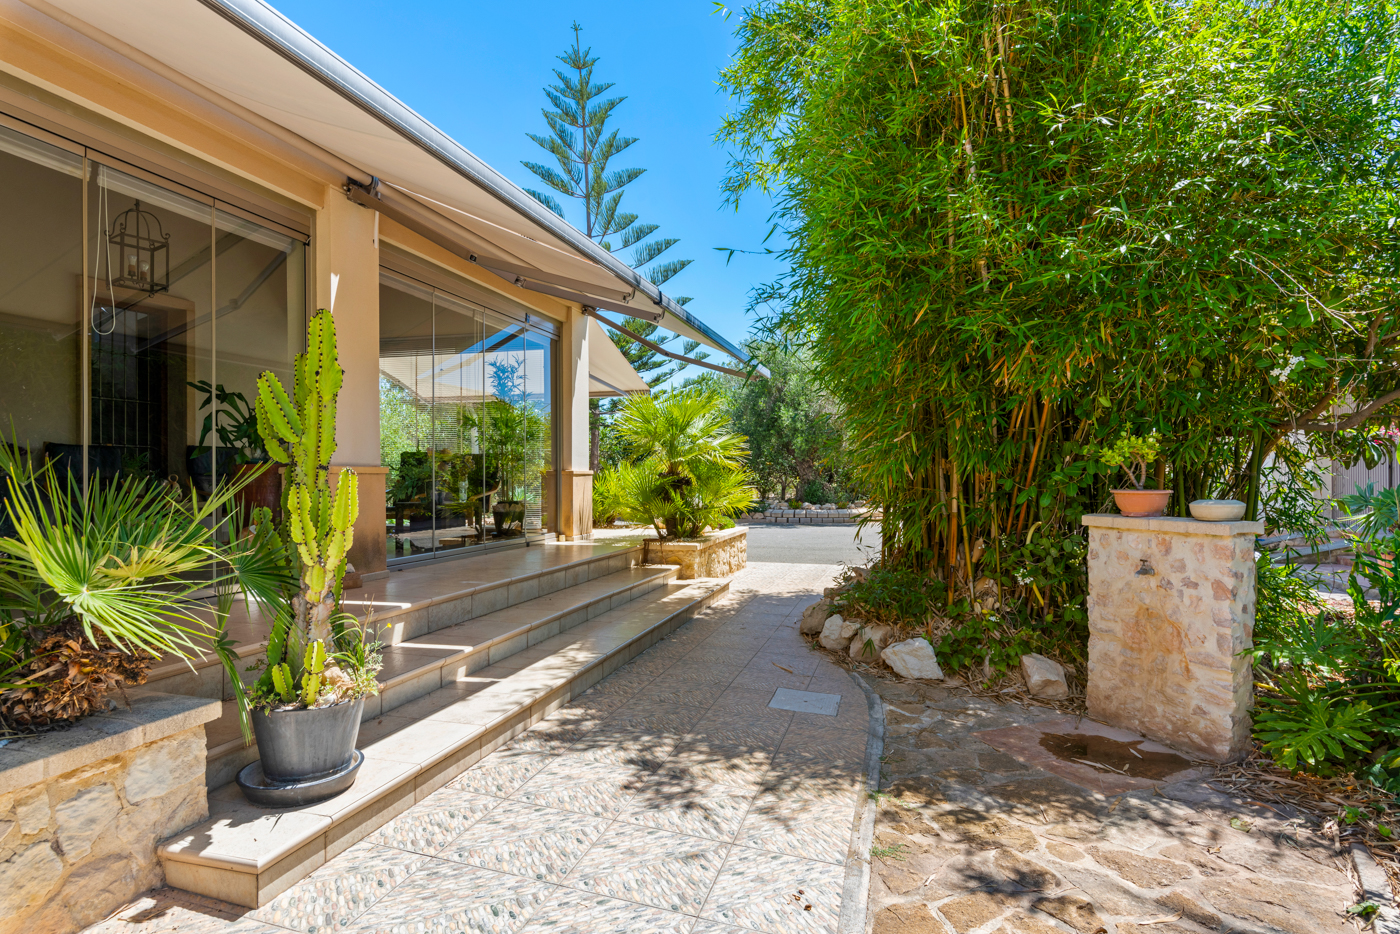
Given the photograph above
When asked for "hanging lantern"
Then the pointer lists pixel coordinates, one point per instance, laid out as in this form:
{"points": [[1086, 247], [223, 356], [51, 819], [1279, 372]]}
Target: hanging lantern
{"points": [[142, 251]]}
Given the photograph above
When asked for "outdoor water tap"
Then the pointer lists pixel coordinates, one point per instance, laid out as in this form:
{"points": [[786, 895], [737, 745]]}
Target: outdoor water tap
{"points": [[1146, 569]]}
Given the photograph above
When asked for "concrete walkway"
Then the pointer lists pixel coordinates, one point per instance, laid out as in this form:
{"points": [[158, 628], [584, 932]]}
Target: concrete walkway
{"points": [[672, 797]]}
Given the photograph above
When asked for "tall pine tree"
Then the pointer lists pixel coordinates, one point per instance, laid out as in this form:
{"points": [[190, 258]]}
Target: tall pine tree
{"points": [[583, 146]]}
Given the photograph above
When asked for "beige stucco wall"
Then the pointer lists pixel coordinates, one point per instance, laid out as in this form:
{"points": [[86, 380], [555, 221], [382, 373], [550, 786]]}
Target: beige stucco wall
{"points": [[1171, 607]]}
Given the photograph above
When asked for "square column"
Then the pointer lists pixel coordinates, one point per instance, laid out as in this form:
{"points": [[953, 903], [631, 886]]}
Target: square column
{"points": [[1171, 607], [345, 253], [575, 516]]}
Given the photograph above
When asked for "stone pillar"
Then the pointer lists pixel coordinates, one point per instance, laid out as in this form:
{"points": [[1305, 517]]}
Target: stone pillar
{"points": [[1171, 606], [575, 519]]}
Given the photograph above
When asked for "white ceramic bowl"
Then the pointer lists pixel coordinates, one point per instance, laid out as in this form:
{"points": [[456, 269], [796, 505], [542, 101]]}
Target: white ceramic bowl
{"points": [[1217, 510]]}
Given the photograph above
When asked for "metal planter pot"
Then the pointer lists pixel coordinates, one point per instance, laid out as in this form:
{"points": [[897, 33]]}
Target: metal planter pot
{"points": [[307, 755]]}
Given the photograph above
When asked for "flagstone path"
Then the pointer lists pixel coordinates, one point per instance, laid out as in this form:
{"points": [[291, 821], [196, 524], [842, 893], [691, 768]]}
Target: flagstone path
{"points": [[982, 828], [669, 798]]}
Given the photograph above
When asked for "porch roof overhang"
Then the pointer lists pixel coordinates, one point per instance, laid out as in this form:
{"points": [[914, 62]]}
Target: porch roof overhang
{"points": [[408, 168]]}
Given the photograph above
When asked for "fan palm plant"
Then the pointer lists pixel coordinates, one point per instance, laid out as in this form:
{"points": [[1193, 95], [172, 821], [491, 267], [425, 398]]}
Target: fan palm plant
{"points": [[98, 582], [697, 464]]}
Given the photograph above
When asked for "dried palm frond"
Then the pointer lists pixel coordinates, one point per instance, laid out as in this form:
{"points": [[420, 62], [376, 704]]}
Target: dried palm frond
{"points": [[70, 677]]}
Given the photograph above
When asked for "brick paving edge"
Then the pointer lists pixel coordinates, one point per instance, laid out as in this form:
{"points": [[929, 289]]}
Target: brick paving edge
{"points": [[855, 893]]}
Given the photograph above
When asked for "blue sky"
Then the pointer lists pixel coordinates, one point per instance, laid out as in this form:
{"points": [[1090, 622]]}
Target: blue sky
{"points": [[476, 71]]}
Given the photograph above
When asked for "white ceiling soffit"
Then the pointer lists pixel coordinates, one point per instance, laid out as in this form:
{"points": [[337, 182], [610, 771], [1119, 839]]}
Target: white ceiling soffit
{"points": [[609, 373], [255, 56]]}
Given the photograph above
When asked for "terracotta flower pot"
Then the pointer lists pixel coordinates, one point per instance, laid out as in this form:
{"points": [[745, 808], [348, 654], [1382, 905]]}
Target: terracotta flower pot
{"points": [[1142, 503]]}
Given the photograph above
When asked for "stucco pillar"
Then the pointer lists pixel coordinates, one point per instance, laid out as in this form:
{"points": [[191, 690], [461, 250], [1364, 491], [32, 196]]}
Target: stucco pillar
{"points": [[345, 251], [1171, 607], [575, 520]]}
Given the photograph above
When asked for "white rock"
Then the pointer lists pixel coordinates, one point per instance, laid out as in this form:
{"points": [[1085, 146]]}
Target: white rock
{"points": [[29, 876], [84, 817], [878, 636], [913, 658], [814, 618], [1044, 677], [837, 633]]}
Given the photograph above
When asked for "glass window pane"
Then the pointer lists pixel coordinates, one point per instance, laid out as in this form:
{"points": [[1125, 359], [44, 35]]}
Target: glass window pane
{"points": [[260, 288], [151, 325], [405, 412], [40, 297], [539, 431]]}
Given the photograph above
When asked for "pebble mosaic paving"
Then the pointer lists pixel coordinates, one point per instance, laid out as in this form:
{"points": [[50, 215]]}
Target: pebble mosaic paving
{"points": [[669, 799]]}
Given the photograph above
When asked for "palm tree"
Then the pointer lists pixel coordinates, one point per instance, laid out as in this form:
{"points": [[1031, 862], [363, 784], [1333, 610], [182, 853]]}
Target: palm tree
{"points": [[685, 435]]}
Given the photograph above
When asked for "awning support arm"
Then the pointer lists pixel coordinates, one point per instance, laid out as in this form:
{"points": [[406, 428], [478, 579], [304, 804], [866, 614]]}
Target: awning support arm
{"points": [[593, 313]]}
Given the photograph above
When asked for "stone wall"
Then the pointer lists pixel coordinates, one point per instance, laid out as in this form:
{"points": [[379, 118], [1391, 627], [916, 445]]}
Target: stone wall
{"points": [[1171, 606], [721, 554], [81, 810]]}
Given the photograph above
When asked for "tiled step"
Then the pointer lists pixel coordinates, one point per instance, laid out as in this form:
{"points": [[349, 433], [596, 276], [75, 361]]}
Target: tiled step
{"points": [[419, 600], [417, 666], [248, 855]]}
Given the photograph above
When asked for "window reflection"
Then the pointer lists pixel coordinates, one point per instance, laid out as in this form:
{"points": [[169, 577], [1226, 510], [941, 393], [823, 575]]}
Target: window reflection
{"points": [[464, 421]]}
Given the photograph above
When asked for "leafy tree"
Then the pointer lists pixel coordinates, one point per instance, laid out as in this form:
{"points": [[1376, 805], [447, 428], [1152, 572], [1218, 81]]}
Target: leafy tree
{"points": [[791, 422], [1016, 232]]}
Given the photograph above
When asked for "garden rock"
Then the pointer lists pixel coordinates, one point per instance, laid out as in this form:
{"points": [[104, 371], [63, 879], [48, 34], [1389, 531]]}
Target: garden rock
{"points": [[878, 636], [837, 633], [814, 617], [1044, 677], [913, 658]]}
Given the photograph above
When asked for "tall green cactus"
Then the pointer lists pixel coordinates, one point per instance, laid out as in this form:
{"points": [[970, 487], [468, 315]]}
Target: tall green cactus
{"points": [[299, 431]]}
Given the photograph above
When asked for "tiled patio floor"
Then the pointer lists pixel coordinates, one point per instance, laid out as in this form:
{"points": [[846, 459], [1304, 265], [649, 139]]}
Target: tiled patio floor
{"points": [[669, 798]]}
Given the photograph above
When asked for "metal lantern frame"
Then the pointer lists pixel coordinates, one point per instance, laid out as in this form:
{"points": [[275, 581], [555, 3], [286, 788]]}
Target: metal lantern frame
{"points": [[140, 238]]}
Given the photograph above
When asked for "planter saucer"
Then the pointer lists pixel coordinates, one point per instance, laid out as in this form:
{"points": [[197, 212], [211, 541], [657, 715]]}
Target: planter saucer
{"points": [[261, 790]]}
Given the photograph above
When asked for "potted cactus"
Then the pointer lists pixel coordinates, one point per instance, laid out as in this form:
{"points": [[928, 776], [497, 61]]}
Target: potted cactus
{"points": [[306, 705], [1133, 453]]}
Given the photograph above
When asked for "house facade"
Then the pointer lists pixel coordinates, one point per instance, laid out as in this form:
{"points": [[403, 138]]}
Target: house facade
{"points": [[190, 179]]}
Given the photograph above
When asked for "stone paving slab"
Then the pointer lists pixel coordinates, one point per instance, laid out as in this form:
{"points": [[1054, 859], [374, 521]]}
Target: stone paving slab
{"points": [[974, 834], [670, 798]]}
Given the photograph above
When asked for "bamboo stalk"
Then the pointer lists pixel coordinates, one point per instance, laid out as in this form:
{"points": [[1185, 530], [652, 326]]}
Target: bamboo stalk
{"points": [[1035, 454]]}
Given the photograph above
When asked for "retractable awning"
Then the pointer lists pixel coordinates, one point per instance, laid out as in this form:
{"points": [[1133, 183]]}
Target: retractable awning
{"points": [[609, 373], [249, 53]]}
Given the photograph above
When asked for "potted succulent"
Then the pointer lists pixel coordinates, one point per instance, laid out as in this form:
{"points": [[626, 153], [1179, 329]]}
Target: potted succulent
{"points": [[1133, 453], [306, 705]]}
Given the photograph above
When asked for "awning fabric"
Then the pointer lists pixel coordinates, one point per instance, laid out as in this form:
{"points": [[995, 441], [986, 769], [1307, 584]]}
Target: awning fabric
{"points": [[253, 55], [609, 373]]}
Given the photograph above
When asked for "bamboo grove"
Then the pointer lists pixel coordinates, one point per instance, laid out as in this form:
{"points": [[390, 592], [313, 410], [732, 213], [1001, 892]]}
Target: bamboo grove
{"points": [[1017, 230]]}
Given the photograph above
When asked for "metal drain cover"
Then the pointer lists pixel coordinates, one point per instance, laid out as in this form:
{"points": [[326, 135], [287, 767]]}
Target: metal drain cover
{"points": [[805, 701]]}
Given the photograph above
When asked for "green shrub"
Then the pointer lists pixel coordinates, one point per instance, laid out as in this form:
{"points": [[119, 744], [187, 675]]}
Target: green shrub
{"points": [[607, 496], [691, 473]]}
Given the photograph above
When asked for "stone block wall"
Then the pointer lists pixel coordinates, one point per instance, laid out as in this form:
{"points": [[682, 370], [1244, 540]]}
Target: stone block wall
{"points": [[1171, 606], [721, 554], [78, 843]]}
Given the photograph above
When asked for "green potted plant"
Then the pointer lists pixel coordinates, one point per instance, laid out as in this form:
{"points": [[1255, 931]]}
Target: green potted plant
{"points": [[233, 420], [1133, 453], [306, 705]]}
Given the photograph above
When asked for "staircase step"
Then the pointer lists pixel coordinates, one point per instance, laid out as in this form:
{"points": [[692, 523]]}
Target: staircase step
{"points": [[421, 665], [418, 600], [248, 855]]}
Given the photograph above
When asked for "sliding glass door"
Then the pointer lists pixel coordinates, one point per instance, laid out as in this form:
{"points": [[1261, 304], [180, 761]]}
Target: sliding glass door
{"points": [[465, 420], [133, 331]]}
